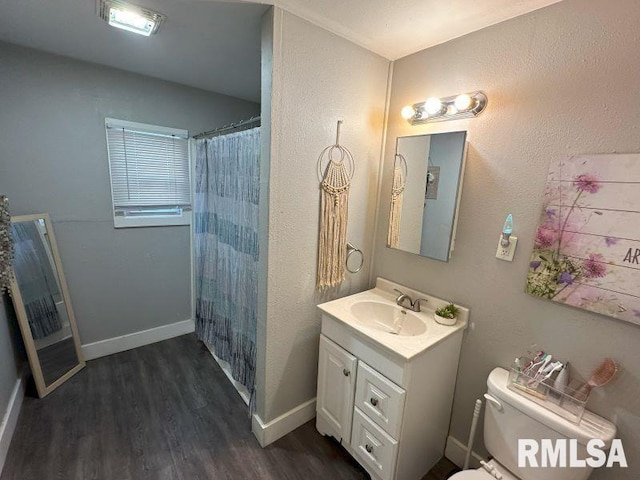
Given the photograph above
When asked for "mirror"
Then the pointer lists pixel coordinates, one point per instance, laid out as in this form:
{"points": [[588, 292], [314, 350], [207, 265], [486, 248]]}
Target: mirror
{"points": [[41, 300], [425, 193]]}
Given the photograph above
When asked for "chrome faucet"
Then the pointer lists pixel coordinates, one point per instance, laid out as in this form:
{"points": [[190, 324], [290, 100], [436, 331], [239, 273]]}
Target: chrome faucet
{"points": [[403, 300]]}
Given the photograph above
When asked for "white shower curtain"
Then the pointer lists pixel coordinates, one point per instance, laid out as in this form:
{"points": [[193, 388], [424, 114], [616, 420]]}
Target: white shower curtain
{"points": [[227, 190]]}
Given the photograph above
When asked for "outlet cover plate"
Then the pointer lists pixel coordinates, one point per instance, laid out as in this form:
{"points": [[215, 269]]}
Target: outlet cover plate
{"points": [[507, 253]]}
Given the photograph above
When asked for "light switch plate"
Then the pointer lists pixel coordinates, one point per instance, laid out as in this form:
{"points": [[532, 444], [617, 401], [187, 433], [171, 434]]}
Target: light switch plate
{"points": [[507, 253]]}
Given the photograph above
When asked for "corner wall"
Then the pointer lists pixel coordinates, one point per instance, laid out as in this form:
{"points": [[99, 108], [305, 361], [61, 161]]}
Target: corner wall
{"points": [[8, 363], [561, 81], [317, 78], [11, 386], [53, 158]]}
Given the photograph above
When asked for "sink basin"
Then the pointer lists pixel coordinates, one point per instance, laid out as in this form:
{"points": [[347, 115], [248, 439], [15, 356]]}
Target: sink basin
{"points": [[387, 318], [375, 316]]}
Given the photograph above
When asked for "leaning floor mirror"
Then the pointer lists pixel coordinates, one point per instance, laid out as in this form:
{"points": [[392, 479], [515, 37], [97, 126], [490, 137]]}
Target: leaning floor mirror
{"points": [[41, 301]]}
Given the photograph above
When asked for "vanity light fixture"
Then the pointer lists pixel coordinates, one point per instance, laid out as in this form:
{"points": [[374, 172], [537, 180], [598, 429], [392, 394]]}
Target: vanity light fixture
{"points": [[466, 105], [130, 17]]}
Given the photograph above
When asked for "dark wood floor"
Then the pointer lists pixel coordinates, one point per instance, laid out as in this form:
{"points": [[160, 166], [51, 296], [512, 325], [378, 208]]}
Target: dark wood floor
{"points": [[164, 411], [443, 470]]}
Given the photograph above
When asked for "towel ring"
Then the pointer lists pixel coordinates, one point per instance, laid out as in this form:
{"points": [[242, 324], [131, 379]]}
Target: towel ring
{"points": [[350, 251]]}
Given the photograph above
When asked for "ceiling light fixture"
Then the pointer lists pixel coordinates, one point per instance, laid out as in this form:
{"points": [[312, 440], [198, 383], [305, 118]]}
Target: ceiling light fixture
{"points": [[130, 17], [466, 105]]}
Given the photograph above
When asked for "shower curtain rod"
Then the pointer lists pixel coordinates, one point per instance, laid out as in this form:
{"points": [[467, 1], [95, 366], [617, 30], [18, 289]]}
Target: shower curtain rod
{"points": [[226, 128]]}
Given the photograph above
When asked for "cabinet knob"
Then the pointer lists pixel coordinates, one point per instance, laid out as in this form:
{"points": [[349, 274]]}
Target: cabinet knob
{"points": [[368, 448], [373, 401], [346, 372]]}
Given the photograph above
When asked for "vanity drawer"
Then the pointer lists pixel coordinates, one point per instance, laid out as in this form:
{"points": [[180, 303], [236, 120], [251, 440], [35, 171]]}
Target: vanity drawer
{"points": [[373, 447], [380, 399]]}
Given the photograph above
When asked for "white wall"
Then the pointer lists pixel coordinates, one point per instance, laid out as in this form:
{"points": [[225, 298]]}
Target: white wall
{"points": [[560, 81], [266, 133], [317, 78], [53, 159], [8, 362]]}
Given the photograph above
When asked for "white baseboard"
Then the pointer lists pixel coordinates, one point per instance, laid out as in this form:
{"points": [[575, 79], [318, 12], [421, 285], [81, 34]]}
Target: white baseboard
{"points": [[456, 451], [269, 432], [10, 420], [226, 368], [137, 339]]}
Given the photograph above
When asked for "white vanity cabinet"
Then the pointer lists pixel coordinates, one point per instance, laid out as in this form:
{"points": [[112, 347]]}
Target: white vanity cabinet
{"points": [[390, 412]]}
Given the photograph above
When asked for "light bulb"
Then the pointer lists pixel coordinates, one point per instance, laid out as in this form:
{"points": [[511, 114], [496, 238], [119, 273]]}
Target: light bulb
{"points": [[433, 105], [507, 229], [463, 102], [407, 112], [131, 21]]}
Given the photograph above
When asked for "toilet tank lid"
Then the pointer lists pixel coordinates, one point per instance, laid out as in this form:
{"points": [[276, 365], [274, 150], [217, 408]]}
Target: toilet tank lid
{"points": [[592, 426]]}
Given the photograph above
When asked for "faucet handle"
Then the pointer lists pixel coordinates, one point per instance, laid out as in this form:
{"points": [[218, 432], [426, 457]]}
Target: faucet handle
{"points": [[400, 299], [402, 296], [416, 303]]}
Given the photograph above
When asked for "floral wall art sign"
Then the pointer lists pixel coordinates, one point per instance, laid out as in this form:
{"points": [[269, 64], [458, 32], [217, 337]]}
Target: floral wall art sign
{"points": [[587, 245]]}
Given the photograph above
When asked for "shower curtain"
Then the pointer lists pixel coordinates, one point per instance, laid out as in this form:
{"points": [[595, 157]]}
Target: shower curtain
{"points": [[227, 189]]}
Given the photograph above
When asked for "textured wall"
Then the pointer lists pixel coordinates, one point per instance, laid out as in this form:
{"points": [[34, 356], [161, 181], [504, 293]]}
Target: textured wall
{"points": [[53, 159], [8, 363], [561, 81], [317, 78], [266, 133]]}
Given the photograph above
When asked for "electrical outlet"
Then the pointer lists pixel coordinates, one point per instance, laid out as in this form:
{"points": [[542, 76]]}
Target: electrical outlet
{"points": [[507, 253]]}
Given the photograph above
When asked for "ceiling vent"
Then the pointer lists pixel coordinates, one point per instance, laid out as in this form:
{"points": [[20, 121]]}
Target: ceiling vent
{"points": [[131, 18]]}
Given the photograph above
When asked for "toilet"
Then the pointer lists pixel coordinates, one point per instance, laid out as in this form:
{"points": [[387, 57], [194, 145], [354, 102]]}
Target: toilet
{"points": [[509, 416]]}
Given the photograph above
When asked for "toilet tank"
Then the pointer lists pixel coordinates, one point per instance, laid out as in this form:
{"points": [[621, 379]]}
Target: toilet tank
{"points": [[519, 418]]}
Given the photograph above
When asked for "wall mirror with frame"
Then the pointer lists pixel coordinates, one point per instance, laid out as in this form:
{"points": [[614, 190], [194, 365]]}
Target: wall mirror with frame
{"points": [[41, 300], [427, 183]]}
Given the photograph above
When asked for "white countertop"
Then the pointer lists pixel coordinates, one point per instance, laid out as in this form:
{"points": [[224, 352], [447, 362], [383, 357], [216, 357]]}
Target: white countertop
{"points": [[405, 346]]}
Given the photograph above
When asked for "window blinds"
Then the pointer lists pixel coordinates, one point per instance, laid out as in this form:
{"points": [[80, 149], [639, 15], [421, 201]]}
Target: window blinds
{"points": [[149, 167]]}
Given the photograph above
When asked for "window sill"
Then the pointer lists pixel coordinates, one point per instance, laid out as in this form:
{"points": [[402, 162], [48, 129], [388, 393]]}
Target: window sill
{"points": [[152, 221]]}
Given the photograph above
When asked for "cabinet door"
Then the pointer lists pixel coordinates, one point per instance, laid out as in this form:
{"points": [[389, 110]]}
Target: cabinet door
{"points": [[336, 387]]}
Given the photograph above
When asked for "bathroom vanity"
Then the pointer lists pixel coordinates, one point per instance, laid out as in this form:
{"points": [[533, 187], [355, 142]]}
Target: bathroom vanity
{"points": [[386, 378]]}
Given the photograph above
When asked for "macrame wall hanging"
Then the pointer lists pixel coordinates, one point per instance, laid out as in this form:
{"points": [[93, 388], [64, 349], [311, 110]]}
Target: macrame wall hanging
{"points": [[400, 171], [6, 245], [335, 180]]}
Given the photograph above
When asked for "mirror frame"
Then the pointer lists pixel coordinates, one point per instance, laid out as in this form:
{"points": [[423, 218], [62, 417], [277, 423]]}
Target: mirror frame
{"points": [[23, 320]]}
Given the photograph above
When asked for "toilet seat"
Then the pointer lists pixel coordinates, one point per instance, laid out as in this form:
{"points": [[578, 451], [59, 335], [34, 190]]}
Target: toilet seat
{"points": [[471, 475], [482, 474]]}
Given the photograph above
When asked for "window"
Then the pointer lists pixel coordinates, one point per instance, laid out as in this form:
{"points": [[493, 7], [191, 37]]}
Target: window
{"points": [[149, 168]]}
